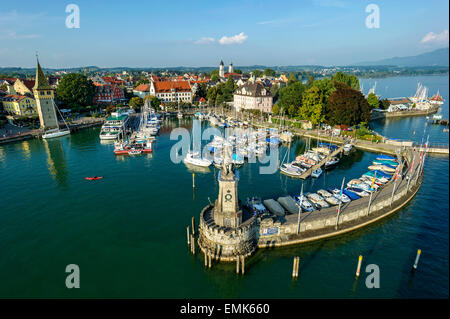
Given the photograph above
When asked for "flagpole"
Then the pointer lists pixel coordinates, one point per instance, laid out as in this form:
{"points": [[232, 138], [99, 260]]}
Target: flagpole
{"points": [[410, 173], [299, 210], [340, 202], [395, 182], [371, 188]]}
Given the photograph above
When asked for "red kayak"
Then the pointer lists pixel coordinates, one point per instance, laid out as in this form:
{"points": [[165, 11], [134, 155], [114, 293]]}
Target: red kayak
{"points": [[94, 178]]}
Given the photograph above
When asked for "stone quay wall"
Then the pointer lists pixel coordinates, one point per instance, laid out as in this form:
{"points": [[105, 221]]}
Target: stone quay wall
{"points": [[354, 215], [226, 243]]}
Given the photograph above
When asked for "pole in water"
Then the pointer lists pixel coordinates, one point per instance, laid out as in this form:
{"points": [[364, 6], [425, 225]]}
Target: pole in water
{"points": [[294, 267], [359, 265], [188, 235], [243, 264], [193, 225], [298, 265], [237, 263], [206, 259], [419, 251], [193, 180]]}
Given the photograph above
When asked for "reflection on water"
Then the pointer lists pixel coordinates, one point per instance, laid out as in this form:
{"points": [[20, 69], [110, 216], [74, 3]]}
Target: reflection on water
{"points": [[56, 160], [2, 154], [197, 169], [26, 149]]}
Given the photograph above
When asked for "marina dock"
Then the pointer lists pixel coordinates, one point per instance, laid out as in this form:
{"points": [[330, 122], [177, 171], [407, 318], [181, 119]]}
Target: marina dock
{"points": [[309, 171]]}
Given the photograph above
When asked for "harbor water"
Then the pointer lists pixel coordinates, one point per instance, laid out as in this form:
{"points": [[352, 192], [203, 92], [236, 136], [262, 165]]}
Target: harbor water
{"points": [[127, 231]]}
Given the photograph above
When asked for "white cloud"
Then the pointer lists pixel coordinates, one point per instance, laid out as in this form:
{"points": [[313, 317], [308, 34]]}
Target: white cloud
{"points": [[205, 40], [439, 38], [238, 38], [13, 35]]}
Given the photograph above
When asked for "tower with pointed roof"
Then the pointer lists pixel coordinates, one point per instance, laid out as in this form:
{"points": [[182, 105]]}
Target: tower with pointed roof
{"points": [[221, 69], [44, 96], [230, 68]]}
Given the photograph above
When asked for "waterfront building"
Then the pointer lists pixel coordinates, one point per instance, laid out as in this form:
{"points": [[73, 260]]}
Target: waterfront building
{"points": [[20, 105], [24, 87], [167, 91], [252, 96], [108, 93], [44, 96]]}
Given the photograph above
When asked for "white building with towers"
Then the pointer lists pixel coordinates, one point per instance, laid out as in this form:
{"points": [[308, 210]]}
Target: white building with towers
{"points": [[230, 68]]}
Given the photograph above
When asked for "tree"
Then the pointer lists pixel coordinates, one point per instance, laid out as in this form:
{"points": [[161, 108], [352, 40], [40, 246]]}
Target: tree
{"points": [[257, 73], [237, 71], [215, 77], [201, 91], [347, 106], [292, 79], [275, 109], [349, 79], [228, 89], [312, 106], [269, 72], [310, 82], [290, 97], [136, 103], [372, 99], [385, 104], [155, 102], [211, 94], [75, 89]]}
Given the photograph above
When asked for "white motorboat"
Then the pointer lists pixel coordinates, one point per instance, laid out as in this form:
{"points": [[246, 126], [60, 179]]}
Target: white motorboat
{"points": [[318, 200], [358, 191], [348, 147], [194, 158], [291, 170], [304, 203], [328, 197], [316, 173], [337, 193]]}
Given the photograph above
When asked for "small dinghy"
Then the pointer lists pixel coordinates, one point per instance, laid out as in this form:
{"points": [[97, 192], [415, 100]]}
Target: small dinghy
{"points": [[93, 178]]}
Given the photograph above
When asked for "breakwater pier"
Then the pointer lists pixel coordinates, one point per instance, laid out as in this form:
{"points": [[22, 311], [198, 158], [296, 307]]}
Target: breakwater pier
{"points": [[228, 242]]}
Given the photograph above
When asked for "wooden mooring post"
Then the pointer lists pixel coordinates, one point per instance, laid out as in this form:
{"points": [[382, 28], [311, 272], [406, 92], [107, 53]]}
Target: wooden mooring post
{"points": [[188, 236], [243, 264], [206, 259], [359, 265], [193, 225], [237, 263], [419, 251], [295, 267]]}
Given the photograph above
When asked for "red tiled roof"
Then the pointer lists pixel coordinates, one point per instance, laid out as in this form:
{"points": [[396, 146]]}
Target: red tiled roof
{"points": [[202, 99], [9, 80], [167, 86], [15, 97], [143, 88]]}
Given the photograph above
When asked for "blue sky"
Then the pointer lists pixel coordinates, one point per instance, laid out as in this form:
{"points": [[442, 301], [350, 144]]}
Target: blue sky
{"points": [[202, 32]]}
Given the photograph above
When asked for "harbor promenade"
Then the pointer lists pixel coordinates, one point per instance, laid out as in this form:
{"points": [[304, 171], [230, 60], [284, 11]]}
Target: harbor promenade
{"points": [[37, 133]]}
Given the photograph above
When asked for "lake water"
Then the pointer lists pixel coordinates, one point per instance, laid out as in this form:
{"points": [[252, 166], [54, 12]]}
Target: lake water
{"points": [[127, 232]]}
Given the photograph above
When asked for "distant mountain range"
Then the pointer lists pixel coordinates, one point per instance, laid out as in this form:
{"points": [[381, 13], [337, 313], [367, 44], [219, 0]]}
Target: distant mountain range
{"points": [[437, 57]]}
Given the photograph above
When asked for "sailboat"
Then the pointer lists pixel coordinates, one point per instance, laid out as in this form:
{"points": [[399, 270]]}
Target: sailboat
{"points": [[57, 132]]}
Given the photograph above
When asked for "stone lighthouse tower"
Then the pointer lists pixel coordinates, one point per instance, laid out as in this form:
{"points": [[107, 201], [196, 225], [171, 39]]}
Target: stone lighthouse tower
{"points": [[225, 231], [227, 212], [221, 69], [43, 93]]}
